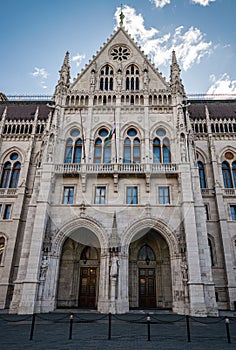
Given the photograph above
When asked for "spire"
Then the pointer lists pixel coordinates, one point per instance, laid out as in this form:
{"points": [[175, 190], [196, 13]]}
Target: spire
{"points": [[114, 239], [175, 80], [64, 79], [65, 70]]}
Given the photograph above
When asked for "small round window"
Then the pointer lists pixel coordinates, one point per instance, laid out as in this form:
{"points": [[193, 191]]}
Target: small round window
{"points": [[161, 132], [74, 133], [14, 156], [229, 155], [132, 132], [103, 132]]}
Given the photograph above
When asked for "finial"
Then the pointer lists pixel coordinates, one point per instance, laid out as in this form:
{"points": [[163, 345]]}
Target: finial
{"points": [[122, 16]]}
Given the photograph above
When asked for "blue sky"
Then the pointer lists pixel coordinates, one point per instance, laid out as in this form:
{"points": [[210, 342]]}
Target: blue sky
{"points": [[35, 36]]}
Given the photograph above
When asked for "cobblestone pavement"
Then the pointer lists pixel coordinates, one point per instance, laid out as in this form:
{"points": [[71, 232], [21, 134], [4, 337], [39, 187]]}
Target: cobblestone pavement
{"points": [[130, 331]]}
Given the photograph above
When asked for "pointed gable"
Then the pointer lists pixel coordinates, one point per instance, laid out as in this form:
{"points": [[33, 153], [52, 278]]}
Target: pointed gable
{"points": [[115, 57]]}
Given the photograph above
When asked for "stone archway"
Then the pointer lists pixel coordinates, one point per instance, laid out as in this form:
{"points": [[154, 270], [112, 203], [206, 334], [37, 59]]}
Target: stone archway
{"points": [[164, 272], [62, 284], [149, 272]]}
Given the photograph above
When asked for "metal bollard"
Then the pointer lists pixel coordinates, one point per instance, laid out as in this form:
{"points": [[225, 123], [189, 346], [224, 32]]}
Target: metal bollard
{"points": [[148, 325], [109, 326], [32, 327], [188, 328], [227, 329], [71, 325]]}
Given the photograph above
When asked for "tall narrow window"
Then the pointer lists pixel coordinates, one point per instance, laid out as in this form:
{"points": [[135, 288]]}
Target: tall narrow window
{"points": [[132, 195], [156, 150], [68, 195], [201, 174], [211, 251], [11, 171], [226, 175], [15, 174], [102, 147], [132, 147], [100, 194], [106, 78], [132, 78], [233, 212], [164, 195], [2, 247], [234, 173], [161, 147], [166, 150], [6, 175], [73, 151], [7, 212]]}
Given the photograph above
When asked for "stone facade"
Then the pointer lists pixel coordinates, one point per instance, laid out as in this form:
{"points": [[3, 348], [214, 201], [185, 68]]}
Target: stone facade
{"points": [[118, 193]]}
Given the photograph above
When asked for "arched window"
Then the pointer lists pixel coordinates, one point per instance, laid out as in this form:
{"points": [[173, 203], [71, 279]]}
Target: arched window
{"points": [[2, 247], [166, 150], [73, 151], [106, 78], [146, 254], [102, 147], [89, 253], [6, 175], [201, 174], [132, 147], [211, 252], [161, 147], [15, 174], [11, 171], [132, 78], [234, 172], [226, 175]]}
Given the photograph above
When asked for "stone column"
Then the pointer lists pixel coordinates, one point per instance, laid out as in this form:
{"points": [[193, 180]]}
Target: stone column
{"points": [[31, 282], [103, 292], [197, 305]]}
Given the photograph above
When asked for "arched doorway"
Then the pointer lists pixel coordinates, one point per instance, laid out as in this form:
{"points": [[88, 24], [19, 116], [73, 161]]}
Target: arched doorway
{"points": [[79, 270], [150, 283]]}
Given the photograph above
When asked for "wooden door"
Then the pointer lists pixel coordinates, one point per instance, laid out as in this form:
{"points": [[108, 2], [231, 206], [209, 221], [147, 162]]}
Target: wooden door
{"points": [[87, 290], [147, 288]]}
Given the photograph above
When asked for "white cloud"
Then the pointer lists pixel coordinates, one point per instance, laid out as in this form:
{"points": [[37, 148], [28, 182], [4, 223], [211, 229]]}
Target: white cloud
{"points": [[78, 59], [40, 72], [190, 44], [202, 2], [222, 86], [160, 3]]}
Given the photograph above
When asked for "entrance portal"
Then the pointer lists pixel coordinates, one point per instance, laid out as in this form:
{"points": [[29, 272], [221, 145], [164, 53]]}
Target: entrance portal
{"points": [[79, 273], [150, 283], [147, 288], [87, 290]]}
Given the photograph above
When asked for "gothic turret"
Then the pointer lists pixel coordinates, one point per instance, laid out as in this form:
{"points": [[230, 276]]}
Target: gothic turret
{"points": [[64, 80], [175, 80]]}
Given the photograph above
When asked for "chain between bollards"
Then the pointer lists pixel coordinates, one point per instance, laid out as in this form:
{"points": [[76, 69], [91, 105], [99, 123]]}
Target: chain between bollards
{"points": [[227, 329], [32, 327], [148, 326], [71, 326]]}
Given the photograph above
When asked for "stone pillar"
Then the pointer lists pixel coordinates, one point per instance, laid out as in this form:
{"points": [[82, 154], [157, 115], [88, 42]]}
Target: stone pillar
{"points": [[197, 305], [31, 282], [122, 303], [103, 292]]}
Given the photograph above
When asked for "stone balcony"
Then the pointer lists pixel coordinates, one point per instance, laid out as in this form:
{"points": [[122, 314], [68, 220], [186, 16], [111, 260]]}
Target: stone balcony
{"points": [[116, 170], [122, 168]]}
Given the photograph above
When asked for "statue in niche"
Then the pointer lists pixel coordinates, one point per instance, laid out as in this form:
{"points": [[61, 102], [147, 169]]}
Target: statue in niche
{"points": [[43, 268], [114, 266]]}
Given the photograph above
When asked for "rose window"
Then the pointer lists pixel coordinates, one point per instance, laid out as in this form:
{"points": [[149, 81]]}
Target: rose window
{"points": [[120, 53]]}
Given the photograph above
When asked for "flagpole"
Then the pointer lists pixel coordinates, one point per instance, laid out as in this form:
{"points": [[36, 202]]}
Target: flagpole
{"points": [[82, 131]]}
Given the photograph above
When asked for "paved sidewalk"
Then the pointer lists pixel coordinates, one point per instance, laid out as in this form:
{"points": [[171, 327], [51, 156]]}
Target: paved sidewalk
{"points": [[129, 331]]}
